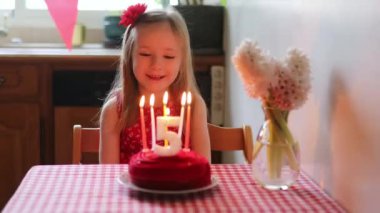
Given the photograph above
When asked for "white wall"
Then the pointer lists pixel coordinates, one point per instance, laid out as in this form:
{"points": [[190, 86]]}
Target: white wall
{"points": [[338, 127]]}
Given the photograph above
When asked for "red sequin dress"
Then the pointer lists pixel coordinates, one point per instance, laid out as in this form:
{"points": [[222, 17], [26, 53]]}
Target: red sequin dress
{"points": [[131, 137]]}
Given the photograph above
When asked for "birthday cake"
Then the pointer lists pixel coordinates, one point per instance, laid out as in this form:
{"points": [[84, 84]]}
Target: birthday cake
{"points": [[184, 170]]}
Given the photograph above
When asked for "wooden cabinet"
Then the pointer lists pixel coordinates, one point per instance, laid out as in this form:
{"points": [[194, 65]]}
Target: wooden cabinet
{"points": [[19, 125], [19, 145], [18, 81]]}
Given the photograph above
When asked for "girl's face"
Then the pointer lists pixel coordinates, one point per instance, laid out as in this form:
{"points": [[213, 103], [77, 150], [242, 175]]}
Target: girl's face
{"points": [[157, 57]]}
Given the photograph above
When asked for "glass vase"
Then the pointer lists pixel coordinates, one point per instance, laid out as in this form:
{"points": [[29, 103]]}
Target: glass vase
{"points": [[276, 161]]}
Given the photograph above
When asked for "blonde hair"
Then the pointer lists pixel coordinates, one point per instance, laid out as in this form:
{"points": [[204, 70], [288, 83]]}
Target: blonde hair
{"points": [[126, 83]]}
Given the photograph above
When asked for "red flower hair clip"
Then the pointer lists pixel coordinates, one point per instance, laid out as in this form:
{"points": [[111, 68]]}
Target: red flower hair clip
{"points": [[131, 14]]}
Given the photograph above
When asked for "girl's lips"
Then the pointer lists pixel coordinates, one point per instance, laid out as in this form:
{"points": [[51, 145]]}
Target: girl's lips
{"points": [[155, 77]]}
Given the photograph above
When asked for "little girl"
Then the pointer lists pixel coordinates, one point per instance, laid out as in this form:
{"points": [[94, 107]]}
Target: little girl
{"points": [[156, 57]]}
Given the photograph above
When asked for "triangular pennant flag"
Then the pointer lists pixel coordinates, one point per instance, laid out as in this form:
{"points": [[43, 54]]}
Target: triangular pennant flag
{"points": [[64, 14]]}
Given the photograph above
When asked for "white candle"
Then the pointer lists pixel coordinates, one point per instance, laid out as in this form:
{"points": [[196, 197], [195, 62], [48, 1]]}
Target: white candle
{"points": [[152, 120], [182, 115], [164, 110], [175, 144], [142, 122], [188, 116]]}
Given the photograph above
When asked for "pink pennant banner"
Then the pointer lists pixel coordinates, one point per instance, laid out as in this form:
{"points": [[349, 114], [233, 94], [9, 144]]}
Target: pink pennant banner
{"points": [[64, 14]]}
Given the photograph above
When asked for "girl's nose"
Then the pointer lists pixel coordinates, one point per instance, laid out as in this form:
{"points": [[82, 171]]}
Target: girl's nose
{"points": [[156, 62]]}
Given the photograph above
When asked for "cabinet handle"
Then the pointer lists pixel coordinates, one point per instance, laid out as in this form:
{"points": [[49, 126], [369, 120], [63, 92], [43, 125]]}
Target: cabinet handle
{"points": [[2, 80]]}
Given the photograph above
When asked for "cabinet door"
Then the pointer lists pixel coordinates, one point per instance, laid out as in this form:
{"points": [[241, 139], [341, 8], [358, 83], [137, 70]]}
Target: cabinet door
{"points": [[64, 120], [19, 145], [18, 81]]}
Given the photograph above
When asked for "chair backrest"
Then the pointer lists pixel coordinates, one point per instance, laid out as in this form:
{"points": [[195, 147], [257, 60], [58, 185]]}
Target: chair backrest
{"points": [[86, 140], [230, 139]]}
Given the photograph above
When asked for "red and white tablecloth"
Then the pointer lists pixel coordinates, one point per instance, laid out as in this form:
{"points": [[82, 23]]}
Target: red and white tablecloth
{"points": [[94, 188]]}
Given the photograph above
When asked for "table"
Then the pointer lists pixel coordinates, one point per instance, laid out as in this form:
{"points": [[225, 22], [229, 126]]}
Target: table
{"points": [[94, 188]]}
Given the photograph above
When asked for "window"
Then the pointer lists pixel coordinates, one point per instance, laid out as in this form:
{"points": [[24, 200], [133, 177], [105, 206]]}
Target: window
{"points": [[7, 4], [33, 13], [99, 5], [82, 4]]}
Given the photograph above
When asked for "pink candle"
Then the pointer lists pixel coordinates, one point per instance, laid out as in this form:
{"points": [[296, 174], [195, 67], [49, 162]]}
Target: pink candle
{"points": [[165, 102], [165, 111], [152, 120], [188, 116], [182, 115], [143, 132]]}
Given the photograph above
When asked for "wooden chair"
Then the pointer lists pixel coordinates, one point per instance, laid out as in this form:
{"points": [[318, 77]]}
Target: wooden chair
{"points": [[230, 139], [86, 140]]}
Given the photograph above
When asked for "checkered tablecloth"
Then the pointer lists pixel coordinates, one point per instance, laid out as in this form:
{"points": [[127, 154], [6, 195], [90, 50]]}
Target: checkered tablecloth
{"points": [[94, 188]]}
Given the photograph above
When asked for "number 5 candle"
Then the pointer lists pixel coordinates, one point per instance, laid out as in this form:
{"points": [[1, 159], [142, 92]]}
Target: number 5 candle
{"points": [[175, 144]]}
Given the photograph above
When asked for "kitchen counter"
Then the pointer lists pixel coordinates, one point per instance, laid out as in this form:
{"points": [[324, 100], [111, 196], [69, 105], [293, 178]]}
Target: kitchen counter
{"points": [[52, 52], [56, 52]]}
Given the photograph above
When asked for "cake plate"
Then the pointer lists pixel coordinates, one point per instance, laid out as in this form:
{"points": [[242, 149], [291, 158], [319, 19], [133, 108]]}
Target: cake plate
{"points": [[123, 179]]}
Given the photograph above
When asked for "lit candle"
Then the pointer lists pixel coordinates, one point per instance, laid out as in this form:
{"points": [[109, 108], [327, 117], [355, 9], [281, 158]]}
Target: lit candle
{"points": [[142, 120], [152, 120], [187, 134], [165, 102], [165, 113], [182, 115], [163, 122]]}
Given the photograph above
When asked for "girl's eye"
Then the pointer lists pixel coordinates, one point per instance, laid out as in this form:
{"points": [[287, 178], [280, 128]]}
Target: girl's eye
{"points": [[169, 57], [144, 54]]}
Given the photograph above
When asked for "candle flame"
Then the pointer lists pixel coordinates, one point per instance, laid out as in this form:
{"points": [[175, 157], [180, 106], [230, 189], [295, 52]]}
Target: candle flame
{"points": [[183, 99], [188, 97], [151, 101], [167, 111], [166, 97], [142, 101]]}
